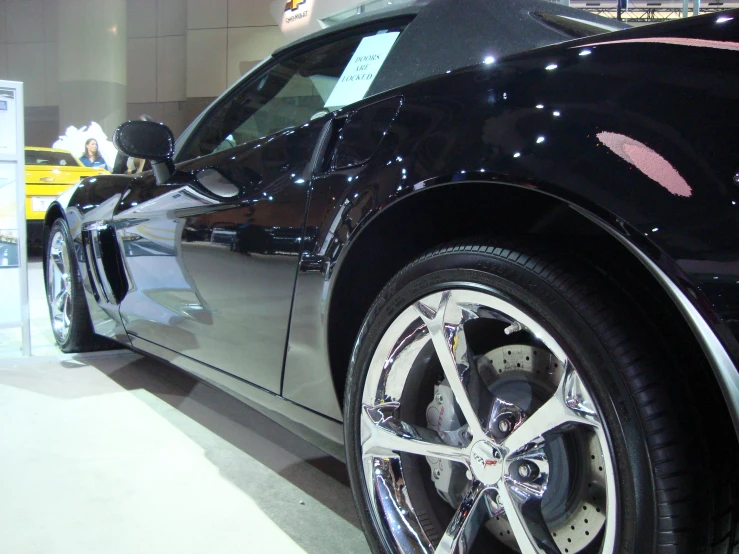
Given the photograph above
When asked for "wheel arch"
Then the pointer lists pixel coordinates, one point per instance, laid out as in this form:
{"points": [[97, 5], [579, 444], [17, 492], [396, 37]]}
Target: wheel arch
{"points": [[54, 212], [451, 211]]}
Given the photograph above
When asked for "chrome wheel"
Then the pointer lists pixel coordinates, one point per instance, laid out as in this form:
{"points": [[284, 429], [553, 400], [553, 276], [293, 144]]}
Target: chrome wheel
{"points": [[59, 285], [510, 439]]}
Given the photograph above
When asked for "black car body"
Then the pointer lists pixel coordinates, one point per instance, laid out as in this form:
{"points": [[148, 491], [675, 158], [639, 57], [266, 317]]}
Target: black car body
{"points": [[253, 267]]}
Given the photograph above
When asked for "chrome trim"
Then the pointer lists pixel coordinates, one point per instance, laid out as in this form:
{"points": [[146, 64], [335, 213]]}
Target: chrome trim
{"points": [[723, 367]]}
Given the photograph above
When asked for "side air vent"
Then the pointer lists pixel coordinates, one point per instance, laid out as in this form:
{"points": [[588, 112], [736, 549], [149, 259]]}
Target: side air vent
{"points": [[113, 263], [104, 264], [91, 267]]}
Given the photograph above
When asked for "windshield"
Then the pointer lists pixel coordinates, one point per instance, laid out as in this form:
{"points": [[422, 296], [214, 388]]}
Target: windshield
{"points": [[42, 157]]}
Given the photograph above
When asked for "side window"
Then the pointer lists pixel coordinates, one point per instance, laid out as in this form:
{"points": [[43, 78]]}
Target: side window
{"points": [[293, 91]]}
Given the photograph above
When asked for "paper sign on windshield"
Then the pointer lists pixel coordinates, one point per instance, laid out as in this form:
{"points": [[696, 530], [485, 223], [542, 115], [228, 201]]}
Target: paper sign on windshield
{"points": [[362, 69]]}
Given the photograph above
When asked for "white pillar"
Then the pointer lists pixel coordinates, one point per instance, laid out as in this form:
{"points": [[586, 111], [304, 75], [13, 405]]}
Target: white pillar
{"points": [[92, 63]]}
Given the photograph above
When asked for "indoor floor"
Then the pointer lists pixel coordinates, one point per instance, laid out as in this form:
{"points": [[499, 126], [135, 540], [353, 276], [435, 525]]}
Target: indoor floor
{"points": [[114, 453]]}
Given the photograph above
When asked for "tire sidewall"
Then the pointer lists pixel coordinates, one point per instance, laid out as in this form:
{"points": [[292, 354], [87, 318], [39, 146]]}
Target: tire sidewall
{"points": [[78, 302], [556, 313]]}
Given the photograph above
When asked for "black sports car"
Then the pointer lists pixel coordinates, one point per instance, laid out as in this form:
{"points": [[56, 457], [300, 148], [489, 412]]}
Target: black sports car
{"points": [[486, 251]]}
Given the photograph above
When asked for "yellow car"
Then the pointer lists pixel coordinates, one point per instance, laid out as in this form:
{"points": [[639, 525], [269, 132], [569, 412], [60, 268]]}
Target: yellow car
{"points": [[49, 172]]}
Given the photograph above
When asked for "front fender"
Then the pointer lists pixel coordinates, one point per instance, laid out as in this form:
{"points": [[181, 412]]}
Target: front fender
{"points": [[89, 203]]}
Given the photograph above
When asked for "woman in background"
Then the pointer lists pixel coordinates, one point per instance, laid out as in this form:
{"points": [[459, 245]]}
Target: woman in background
{"points": [[92, 157]]}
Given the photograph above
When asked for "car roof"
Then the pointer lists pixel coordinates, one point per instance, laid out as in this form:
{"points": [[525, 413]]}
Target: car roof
{"points": [[471, 30], [44, 149], [444, 35]]}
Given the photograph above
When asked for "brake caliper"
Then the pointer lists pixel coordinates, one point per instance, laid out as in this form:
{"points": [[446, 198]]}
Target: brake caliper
{"points": [[441, 417]]}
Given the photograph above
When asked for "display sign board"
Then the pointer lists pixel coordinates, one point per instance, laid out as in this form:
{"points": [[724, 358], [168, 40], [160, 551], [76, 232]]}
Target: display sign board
{"points": [[13, 270], [362, 69], [8, 220], [8, 116]]}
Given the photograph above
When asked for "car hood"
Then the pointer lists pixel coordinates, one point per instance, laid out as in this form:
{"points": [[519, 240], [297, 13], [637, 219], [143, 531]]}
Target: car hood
{"points": [[60, 175]]}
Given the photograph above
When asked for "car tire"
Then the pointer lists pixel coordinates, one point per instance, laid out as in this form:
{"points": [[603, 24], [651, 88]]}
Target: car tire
{"points": [[65, 295], [612, 402]]}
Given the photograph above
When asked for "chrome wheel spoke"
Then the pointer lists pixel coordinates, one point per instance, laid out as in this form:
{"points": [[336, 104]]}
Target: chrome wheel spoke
{"points": [[65, 255], [445, 325], [570, 404], [388, 491], [522, 504], [67, 307], [384, 435], [58, 262], [469, 517], [60, 301]]}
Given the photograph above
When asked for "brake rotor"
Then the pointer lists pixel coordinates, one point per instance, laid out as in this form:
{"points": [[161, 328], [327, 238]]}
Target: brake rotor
{"points": [[574, 520]]}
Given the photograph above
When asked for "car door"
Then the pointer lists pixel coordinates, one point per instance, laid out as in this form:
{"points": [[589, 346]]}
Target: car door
{"points": [[212, 254]]}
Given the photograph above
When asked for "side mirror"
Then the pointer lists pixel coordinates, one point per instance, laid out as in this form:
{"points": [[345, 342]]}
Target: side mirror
{"points": [[149, 141]]}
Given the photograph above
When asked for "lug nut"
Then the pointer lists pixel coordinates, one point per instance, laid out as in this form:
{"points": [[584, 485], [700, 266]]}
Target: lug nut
{"points": [[437, 473], [504, 425], [439, 399], [526, 471]]}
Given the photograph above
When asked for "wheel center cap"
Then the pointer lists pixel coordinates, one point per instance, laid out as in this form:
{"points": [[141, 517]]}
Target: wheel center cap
{"points": [[487, 462]]}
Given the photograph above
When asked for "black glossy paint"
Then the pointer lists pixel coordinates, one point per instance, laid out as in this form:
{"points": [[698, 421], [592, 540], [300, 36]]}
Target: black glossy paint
{"points": [[528, 124], [85, 207], [213, 253], [640, 129]]}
